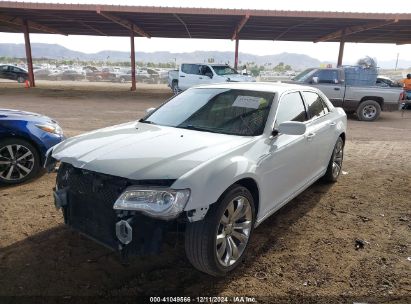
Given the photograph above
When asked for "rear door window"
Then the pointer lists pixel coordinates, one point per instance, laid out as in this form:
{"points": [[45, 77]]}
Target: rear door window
{"points": [[327, 76], [316, 105], [191, 69]]}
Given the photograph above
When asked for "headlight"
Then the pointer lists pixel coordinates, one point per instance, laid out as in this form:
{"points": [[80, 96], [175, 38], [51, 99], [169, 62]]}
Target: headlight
{"points": [[156, 202], [55, 129]]}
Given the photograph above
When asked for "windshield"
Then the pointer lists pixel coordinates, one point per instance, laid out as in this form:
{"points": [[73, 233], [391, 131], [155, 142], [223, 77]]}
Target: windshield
{"points": [[224, 70], [304, 75], [226, 111]]}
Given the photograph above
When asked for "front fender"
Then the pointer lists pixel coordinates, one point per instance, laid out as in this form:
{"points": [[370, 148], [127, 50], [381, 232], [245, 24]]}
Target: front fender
{"points": [[209, 181]]}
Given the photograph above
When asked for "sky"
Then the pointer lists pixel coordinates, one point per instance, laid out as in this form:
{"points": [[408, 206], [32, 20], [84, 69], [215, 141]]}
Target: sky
{"points": [[326, 51]]}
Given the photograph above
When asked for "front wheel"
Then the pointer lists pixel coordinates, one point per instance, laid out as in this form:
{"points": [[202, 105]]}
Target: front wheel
{"points": [[21, 79], [335, 165], [368, 110], [19, 161], [217, 244]]}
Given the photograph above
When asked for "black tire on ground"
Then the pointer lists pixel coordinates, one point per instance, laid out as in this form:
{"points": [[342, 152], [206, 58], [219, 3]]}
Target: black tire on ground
{"points": [[21, 79], [200, 236], [368, 110], [330, 175], [174, 87], [35, 166]]}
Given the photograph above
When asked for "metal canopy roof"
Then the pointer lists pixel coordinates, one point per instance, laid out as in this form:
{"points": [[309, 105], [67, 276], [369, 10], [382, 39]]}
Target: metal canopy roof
{"points": [[174, 22]]}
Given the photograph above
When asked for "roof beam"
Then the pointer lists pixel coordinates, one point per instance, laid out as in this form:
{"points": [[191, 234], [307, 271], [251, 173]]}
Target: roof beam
{"points": [[240, 26], [354, 29], [93, 28], [124, 23], [33, 25], [183, 23]]}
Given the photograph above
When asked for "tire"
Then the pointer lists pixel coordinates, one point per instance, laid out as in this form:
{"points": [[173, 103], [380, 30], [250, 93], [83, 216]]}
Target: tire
{"points": [[335, 164], [174, 87], [368, 110], [201, 244], [13, 170], [21, 79]]}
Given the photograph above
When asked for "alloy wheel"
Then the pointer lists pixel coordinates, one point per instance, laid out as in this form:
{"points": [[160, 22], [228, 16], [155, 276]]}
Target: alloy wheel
{"points": [[337, 159], [233, 231], [16, 162]]}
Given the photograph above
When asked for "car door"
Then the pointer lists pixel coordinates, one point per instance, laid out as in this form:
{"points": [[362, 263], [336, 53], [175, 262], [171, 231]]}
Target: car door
{"points": [[205, 73], [320, 130], [287, 166], [3, 71], [329, 82]]}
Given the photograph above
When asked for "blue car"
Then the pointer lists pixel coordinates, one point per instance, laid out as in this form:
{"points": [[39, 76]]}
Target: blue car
{"points": [[24, 140]]}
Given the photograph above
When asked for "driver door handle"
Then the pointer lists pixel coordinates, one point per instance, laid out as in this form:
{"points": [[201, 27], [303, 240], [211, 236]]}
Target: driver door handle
{"points": [[333, 123], [310, 136], [200, 77]]}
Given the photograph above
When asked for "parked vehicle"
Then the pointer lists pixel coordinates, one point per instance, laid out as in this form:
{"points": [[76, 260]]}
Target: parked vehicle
{"points": [[366, 101], [72, 75], [218, 159], [24, 140], [190, 75], [42, 74], [122, 76], [13, 73], [105, 74]]}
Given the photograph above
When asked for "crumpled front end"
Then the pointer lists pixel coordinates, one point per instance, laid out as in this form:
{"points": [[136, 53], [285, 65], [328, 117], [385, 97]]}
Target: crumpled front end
{"points": [[87, 199]]}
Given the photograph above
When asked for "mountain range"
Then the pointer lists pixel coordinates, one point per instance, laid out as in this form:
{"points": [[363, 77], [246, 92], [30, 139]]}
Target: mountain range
{"points": [[55, 51]]}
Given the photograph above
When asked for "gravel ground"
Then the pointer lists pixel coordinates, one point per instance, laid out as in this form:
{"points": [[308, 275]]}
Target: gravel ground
{"points": [[305, 253]]}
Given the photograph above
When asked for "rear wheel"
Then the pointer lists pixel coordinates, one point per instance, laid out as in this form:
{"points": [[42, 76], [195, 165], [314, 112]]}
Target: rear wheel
{"points": [[368, 110], [19, 161], [217, 244], [174, 87], [335, 165]]}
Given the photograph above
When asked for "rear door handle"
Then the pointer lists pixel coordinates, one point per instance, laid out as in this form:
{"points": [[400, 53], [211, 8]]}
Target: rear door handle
{"points": [[200, 77], [336, 89], [182, 76], [333, 123]]}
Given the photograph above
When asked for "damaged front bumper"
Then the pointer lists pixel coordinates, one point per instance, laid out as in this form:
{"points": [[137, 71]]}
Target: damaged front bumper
{"points": [[87, 199]]}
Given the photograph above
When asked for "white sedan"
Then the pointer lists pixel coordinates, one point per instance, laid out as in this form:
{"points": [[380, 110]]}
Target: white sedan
{"points": [[216, 159]]}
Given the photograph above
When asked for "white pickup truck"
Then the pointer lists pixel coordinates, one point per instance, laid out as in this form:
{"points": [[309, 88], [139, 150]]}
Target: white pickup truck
{"points": [[190, 75]]}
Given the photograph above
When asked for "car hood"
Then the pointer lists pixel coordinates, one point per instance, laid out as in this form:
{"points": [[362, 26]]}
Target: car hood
{"points": [[9, 114], [239, 78], [144, 151]]}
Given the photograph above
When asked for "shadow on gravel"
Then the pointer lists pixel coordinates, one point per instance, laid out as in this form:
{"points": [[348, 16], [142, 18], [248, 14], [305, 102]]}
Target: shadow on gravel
{"points": [[60, 262]]}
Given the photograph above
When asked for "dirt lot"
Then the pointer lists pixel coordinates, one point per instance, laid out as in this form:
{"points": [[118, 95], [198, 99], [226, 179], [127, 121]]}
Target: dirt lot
{"points": [[305, 253]]}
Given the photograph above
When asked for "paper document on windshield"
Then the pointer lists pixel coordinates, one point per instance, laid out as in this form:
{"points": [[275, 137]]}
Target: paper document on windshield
{"points": [[251, 102]]}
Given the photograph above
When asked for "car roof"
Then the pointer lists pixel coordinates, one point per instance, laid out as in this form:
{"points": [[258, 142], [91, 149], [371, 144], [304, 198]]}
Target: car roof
{"points": [[275, 87]]}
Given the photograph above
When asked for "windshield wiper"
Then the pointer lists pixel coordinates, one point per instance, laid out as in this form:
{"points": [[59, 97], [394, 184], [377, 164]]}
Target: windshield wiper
{"points": [[195, 128]]}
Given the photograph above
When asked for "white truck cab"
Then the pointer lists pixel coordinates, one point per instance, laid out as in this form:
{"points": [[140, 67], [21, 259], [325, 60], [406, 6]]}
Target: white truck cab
{"points": [[190, 75]]}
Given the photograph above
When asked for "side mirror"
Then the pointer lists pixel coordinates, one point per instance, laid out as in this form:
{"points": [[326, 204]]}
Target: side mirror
{"points": [[149, 110], [209, 74], [315, 79], [292, 128]]}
